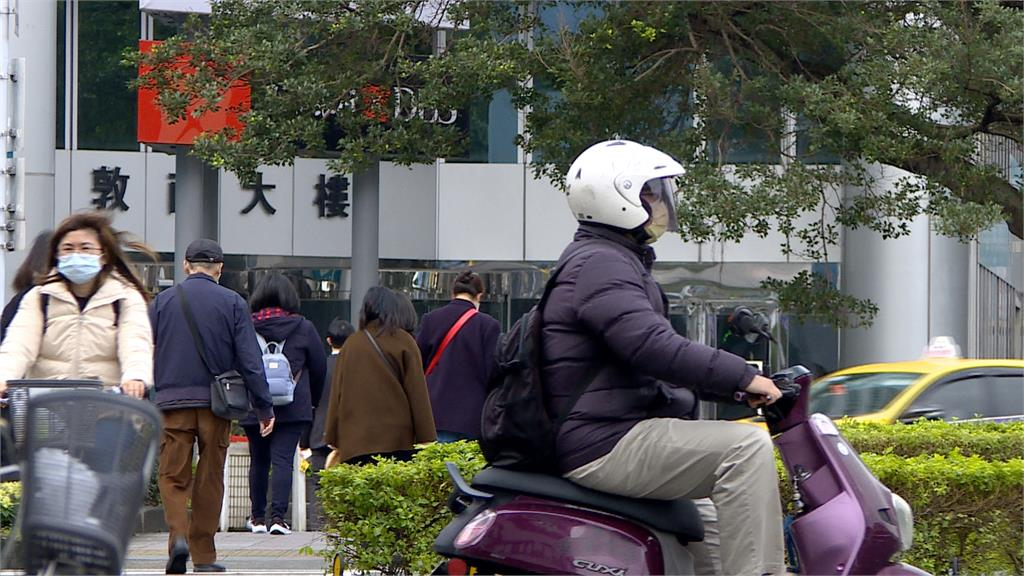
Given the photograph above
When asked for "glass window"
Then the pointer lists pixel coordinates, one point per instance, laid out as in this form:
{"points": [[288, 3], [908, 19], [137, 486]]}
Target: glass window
{"points": [[492, 126], [858, 394], [739, 144], [806, 149], [960, 399], [1006, 394], [62, 7], [106, 106]]}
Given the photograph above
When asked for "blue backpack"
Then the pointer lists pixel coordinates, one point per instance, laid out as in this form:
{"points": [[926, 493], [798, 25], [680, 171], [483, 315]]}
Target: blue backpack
{"points": [[278, 370]]}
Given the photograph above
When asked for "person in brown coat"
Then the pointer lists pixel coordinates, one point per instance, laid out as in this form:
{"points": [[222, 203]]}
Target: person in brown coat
{"points": [[379, 405]]}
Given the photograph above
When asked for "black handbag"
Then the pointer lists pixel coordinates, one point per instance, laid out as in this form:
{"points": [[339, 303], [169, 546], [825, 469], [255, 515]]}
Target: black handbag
{"points": [[229, 398]]}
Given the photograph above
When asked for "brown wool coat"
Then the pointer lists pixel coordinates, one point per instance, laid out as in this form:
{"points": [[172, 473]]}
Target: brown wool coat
{"points": [[370, 411]]}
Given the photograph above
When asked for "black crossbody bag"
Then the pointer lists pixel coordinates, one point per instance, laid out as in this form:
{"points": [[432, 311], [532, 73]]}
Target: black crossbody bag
{"points": [[229, 398]]}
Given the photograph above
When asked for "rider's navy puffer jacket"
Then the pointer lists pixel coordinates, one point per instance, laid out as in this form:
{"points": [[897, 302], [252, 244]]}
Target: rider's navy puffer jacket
{"points": [[607, 312]]}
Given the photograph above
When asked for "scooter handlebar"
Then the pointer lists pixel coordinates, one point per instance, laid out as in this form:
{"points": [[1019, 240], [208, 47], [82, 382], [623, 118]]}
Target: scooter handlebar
{"points": [[785, 381]]}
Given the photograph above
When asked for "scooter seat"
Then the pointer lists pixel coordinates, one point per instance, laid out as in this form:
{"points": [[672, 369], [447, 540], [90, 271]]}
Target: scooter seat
{"points": [[679, 517]]}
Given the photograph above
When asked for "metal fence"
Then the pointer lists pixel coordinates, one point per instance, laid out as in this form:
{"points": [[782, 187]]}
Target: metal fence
{"points": [[999, 308]]}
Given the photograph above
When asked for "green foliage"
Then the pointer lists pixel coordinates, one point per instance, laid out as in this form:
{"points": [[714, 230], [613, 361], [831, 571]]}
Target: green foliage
{"points": [[812, 296], [385, 517], [990, 441], [964, 482], [325, 78], [782, 112], [964, 506], [10, 497]]}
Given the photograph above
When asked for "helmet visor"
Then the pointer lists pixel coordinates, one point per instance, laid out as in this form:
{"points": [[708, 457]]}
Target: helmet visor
{"points": [[663, 191]]}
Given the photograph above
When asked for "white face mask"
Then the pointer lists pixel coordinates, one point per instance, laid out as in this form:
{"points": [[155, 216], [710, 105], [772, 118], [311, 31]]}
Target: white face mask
{"points": [[659, 197], [79, 268], [657, 224]]}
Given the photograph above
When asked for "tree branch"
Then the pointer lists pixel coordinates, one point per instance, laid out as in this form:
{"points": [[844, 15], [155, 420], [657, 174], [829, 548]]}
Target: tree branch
{"points": [[934, 168]]}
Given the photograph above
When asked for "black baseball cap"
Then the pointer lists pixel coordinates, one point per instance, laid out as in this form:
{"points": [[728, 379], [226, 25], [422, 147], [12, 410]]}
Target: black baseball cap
{"points": [[204, 250]]}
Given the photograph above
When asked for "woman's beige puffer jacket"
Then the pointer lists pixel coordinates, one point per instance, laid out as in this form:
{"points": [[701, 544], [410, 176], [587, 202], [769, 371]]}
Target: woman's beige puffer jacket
{"points": [[80, 344]]}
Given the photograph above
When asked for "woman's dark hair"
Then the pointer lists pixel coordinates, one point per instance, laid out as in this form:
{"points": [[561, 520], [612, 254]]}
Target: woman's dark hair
{"points": [[408, 319], [274, 291], [338, 331], [111, 241], [35, 263], [384, 306], [468, 282]]}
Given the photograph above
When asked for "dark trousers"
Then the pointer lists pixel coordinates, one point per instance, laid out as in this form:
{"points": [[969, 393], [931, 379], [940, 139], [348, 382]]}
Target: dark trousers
{"points": [[182, 428], [275, 452]]}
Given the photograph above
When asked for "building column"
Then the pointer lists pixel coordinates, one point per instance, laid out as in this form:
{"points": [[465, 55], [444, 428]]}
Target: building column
{"points": [[188, 205], [31, 34], [949, 281], [365, 236], [894, 274]]}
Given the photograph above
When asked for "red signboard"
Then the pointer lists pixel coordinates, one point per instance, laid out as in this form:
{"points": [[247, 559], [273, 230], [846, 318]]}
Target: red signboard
{"points": [[155, 128]]}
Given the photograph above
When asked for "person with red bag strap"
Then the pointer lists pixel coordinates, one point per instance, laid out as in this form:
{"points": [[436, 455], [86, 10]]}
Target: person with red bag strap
{"points": [[457, 343]]}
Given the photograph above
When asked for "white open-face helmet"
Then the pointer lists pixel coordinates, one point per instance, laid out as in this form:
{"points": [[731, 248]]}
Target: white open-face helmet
{"points": [[605, 182]]}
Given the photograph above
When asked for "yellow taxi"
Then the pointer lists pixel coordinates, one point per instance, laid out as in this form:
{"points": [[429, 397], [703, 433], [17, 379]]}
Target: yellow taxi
{"points": [[940, 386]]}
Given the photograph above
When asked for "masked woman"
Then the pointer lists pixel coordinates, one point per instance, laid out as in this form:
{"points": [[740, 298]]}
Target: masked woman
{"points": [[86, 318]]}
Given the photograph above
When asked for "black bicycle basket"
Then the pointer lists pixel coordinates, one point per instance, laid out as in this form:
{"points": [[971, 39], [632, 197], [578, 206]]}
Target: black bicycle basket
{"points": [[19, 392], [88, 459]]}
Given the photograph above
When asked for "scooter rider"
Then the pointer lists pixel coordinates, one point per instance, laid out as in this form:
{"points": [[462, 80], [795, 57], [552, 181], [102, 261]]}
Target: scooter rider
{"points": [[626, 435]]}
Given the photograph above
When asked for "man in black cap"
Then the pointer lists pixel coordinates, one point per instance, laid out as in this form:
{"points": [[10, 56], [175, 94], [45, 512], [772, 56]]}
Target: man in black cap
{"points": [[182, 382]]}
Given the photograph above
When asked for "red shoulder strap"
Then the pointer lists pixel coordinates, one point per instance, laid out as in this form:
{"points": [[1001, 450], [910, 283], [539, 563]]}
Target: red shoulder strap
{"points": [[448, 338]]}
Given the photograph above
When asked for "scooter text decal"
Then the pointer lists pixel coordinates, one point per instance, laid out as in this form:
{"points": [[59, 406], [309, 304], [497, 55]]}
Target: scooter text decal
{"points": [[599, 568]]}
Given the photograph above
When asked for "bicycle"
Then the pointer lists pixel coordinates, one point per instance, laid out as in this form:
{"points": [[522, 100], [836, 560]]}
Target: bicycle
{"points": [[85, 458]]}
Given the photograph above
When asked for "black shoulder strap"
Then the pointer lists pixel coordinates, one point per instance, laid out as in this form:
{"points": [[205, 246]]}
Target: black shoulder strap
{"points": [[44, 305], [191, 321], [592, 370], [391, 367], [117, 311]]}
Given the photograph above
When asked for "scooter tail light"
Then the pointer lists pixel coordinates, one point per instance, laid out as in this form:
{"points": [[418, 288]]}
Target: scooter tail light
{"points": [[473, 532], [457, 567]]}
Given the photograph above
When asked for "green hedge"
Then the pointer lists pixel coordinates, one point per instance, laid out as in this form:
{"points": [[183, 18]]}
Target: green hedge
{"points": [[964, 507], [385, 517], [988, 440], [10, 496]]}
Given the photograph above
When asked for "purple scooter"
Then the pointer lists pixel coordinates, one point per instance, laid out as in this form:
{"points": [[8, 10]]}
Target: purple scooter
{"points": [[844, 521]]}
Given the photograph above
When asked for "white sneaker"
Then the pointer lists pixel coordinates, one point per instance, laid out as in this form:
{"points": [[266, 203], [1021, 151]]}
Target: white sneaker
{"points": [[260, 528], [280, 527]]}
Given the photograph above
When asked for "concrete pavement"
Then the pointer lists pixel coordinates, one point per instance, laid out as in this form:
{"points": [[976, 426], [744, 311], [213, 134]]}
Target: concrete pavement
{"points": [[240, 552]]}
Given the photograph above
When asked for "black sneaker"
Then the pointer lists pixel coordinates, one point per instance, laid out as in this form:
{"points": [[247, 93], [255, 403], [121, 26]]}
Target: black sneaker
{"points": [[280, 527], [177, 557]]}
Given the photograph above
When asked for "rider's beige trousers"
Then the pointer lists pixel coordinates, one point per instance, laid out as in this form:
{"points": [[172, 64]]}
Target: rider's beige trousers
{"points": [[732, 464]]}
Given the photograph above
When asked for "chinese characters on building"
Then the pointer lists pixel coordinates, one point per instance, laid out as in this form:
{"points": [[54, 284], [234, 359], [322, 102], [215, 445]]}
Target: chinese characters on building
{"points": [[332, 196], [259, 196], [331, 200], [109, 186]]}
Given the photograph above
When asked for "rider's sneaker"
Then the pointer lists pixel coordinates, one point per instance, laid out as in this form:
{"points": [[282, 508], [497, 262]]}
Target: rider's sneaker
{"points": [[256, 526], [280, 527]]}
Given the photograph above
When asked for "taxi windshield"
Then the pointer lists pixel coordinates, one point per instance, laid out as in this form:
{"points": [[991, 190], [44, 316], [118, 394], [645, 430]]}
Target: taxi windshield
{"points": [[858, 394]]}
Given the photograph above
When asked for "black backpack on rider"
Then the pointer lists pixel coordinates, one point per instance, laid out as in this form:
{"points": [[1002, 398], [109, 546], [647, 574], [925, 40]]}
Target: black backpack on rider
{"points": [[516, 430]]}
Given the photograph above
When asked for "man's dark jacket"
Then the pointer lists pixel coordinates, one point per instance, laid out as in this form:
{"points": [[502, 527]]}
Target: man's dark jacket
{"points": [[607, 313], [458, 384], [306, 357], [222, 319]]}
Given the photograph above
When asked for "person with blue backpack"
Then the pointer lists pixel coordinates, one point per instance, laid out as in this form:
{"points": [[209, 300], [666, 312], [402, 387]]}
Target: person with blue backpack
{"points": [[295, 365]]}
